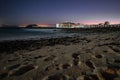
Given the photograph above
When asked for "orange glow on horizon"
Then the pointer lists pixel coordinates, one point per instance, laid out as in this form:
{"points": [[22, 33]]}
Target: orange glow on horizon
{"points": [[39, 25], [45, 25]]}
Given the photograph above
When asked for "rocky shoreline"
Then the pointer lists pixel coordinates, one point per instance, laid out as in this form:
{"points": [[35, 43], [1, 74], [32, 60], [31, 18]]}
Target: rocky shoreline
{"points": [[88, 57]]}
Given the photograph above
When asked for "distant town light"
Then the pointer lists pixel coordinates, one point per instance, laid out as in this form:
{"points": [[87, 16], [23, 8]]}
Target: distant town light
{"points": [[69, 25], [57, 25], [78, 25]]}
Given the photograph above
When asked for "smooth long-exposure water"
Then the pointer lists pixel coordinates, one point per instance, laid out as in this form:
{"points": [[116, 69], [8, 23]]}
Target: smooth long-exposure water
{"points": [[16, 34]]}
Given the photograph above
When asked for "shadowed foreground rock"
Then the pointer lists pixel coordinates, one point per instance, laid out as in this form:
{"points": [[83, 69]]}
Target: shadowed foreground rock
{"points": [[88, 57]]}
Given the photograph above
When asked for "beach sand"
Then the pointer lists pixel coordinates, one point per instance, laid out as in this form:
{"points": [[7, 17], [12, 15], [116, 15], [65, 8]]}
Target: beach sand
{"points": [[89, 57]]}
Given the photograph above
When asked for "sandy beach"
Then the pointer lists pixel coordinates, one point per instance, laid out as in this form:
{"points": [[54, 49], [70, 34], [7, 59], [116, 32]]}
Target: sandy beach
{"points": [[89, 57]]}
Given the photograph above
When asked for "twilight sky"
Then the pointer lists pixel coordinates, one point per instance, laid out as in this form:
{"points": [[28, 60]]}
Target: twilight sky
{"points": [[56, 11]]}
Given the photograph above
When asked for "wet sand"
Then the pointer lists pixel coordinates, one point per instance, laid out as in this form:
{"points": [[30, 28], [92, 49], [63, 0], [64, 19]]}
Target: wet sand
{"points": [[89, 57]]}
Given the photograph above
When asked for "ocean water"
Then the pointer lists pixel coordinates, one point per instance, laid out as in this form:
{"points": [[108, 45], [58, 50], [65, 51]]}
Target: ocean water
{"points": [[20, 34]]}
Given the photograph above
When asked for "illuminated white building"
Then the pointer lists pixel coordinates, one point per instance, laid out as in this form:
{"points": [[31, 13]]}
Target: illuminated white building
{"points": [[69, 25]]}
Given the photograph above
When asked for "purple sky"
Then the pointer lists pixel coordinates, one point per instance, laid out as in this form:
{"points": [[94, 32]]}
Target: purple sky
{"points": [[56, 11]]}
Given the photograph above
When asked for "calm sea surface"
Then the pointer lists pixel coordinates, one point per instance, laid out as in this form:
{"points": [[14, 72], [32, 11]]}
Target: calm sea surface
{"points": [[15, 34]]}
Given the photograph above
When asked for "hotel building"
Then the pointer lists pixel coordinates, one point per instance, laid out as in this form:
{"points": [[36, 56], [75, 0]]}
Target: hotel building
{"points": [[69, 25]]}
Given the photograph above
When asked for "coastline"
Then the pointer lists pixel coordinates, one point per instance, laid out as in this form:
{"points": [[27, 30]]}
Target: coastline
{"points": [[91, 56]]}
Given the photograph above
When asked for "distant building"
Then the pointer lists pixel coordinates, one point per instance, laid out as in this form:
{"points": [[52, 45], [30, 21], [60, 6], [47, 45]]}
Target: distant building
{"points": [[78, 25], [115, 25], [69, 25]]}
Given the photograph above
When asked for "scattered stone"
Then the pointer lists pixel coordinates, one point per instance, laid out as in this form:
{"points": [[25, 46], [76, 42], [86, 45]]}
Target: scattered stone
{"points": [[109, 74], [90, 64], [115, 49], [3, 75], [66, 66], [76, 62], [98, 56], [50, 58], [13, 67], [13, 59], [117, 61], [23, 70], [58, 76], [37, 57], [75, 55]]}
